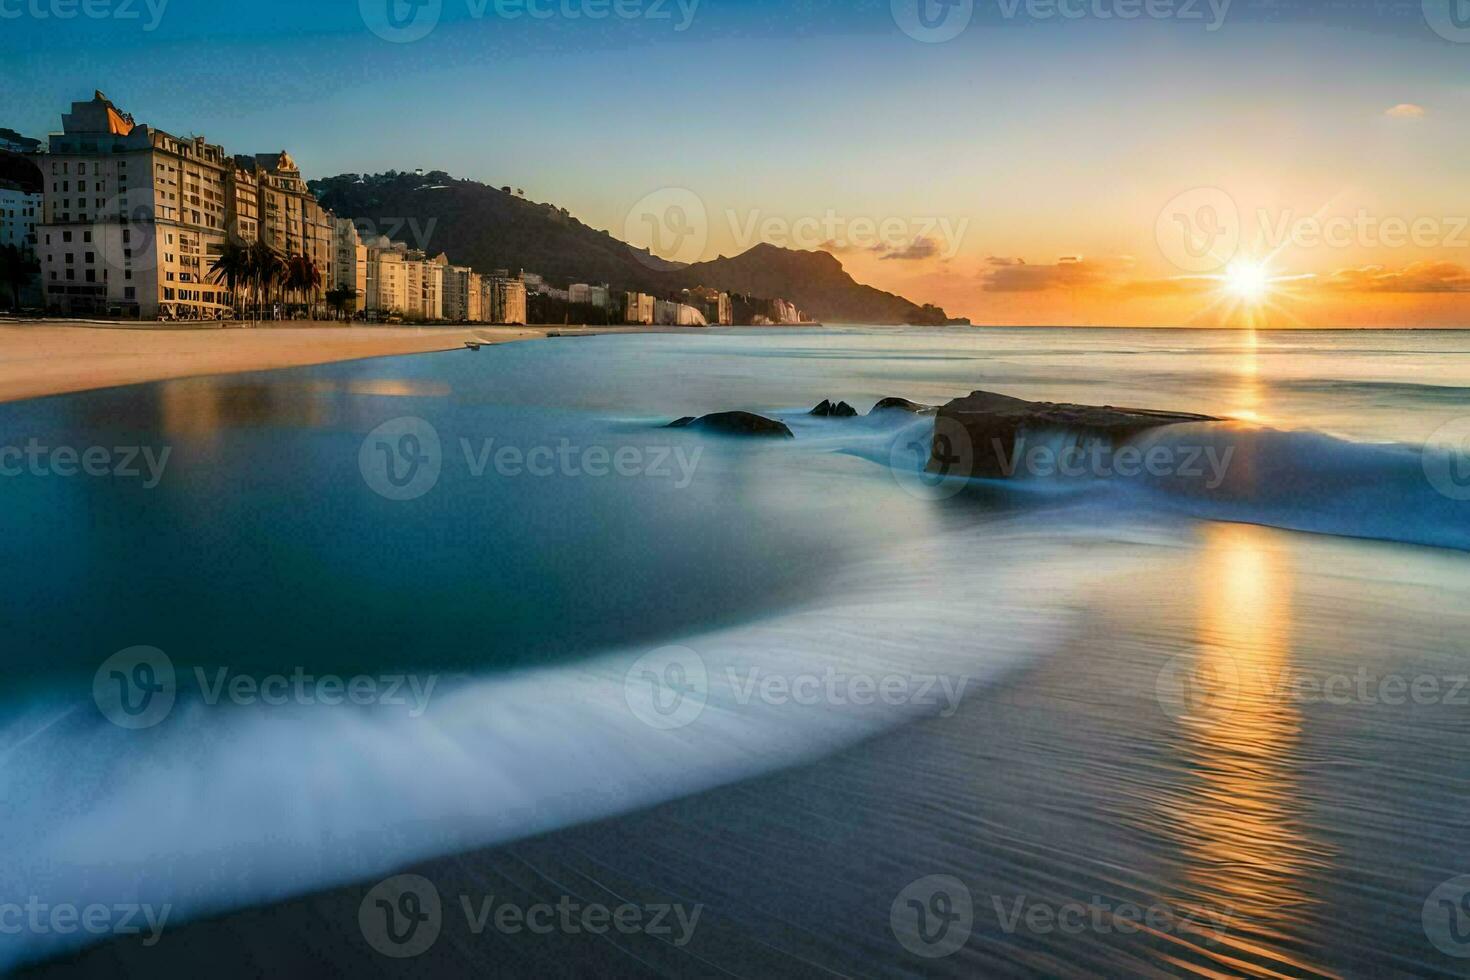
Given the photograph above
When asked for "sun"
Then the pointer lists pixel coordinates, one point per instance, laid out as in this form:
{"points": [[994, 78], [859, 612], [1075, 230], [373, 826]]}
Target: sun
{"points": [[1247, 281]]}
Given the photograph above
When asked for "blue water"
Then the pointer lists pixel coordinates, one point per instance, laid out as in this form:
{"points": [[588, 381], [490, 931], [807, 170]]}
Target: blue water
{"points": [[271, 545]]}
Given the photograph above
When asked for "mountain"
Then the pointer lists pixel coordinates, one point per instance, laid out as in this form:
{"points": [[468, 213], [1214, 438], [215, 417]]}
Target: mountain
{"points": [[814, 281], [490, 228]]}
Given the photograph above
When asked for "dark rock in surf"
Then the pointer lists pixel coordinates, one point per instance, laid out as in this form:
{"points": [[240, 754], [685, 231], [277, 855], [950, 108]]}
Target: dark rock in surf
{"points": [[736, 424], [903, 405], [976, 435], [841, 410]]}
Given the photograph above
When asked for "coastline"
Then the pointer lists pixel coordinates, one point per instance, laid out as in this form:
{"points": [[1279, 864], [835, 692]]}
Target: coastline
{"points": [[1065, 784], [56, 357]]}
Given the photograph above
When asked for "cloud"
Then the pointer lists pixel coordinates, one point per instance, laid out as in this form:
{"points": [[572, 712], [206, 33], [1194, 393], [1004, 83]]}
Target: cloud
{"points": [[1406, 110], [916, 251], [1418, 277], [1015, 276]]}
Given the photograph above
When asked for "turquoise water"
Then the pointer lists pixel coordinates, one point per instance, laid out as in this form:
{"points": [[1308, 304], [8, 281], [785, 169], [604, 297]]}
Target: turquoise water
{"points": [[514, 595]]}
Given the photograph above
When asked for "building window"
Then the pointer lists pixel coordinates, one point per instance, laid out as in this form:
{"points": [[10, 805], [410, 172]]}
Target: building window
{"points": [[130, 292]]}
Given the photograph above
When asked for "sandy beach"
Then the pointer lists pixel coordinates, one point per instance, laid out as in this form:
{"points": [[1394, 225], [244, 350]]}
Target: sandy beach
{"points": [[50, 357]]}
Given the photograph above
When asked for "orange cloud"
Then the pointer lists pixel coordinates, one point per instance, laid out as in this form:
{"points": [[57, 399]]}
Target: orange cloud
{"points": [[1419, 277], [1406, 110]]}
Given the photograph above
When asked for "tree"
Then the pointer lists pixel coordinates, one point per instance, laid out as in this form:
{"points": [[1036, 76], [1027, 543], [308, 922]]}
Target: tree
{"points": [[305, 279], [341, 299], [16, 266], [267, 270], [232, 268]]}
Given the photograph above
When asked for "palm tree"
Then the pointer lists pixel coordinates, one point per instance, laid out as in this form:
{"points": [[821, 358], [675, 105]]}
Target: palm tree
{"points": [[341, 300], [232, 268], [16, 266], [267, 269], [303, 277]]}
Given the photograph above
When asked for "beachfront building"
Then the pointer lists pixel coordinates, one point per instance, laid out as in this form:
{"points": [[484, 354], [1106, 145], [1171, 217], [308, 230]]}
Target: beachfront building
{"points": [[638, 309], [20, 209], [456, 290], [291, 220], [668, 313], [350, 261], [475, 301], [715, 305], [505, 301], [387, 280], [131, 218], [581, 292], [784, 312]]}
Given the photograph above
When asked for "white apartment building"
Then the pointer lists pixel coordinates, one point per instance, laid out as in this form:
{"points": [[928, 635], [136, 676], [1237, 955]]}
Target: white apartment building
{"points": [[19, 212]]}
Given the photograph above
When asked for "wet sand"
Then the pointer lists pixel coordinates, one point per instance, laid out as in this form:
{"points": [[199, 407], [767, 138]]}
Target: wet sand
{"points": [[1266, 830], [50, 358]]}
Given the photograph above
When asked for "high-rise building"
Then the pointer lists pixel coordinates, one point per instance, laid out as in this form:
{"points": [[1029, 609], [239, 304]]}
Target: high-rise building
{"points": [[671, 314], [638, 309], [350, 261], [132, 218], [715, 305], [475, 302], [505, 301], [456, 290], [291, 220]]}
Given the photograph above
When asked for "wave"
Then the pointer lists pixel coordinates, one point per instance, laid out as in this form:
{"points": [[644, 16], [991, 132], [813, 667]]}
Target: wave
{"points": [[221, 807]]}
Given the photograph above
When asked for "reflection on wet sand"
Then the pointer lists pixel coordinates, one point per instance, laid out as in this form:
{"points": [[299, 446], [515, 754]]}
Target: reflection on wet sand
{"points": [[1238, 821]]}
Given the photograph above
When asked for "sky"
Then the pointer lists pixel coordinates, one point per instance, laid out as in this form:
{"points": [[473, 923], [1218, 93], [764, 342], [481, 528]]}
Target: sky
{"points": [[1130, 162]]}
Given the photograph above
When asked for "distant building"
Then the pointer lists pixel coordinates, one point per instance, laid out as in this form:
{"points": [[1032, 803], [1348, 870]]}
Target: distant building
{"points": [[715, 305], [668, 313], [638, 309], [290, 219], [783, 312], [533, 281], [591, 295], [350, 260], [475, 302], [19, 211], [505, 301], [456, 290]]}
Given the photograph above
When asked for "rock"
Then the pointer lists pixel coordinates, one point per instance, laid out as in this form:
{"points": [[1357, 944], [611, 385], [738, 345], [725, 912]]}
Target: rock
{"points": [[841, 410], [976, 435], [736, 424], [903, 405]]}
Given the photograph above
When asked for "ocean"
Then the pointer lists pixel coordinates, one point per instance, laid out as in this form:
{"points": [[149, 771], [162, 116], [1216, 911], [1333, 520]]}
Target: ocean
{"points": [[301, 629]]}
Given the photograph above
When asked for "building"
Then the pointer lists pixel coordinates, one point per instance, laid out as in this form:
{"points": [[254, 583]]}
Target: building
{"points": [[638, 309], [387, 279], [20, 209], [715, 305], [456, 291], [671, 314], [784, 312], [290, 219], [599, 296], [505, 301], [476, 299], [15, 143], [132, 218], [350, 261]]}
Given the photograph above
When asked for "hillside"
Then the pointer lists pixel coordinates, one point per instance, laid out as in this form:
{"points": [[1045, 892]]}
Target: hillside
{"points": [[489, 228]]}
